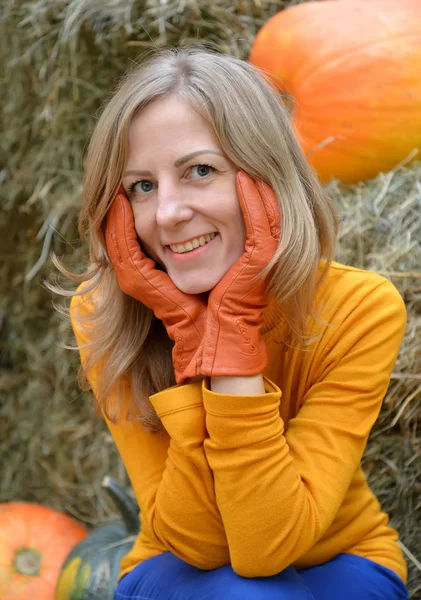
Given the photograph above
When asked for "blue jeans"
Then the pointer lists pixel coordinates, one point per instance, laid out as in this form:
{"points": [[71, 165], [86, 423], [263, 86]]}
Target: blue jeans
{"points": [[346, 577]]}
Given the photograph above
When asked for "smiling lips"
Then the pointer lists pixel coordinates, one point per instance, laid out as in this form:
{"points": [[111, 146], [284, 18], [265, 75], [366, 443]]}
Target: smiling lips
{"points": [[192, 244]]}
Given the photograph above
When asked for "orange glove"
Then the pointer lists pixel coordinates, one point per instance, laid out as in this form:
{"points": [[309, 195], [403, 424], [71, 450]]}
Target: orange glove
{"points": [[232, 345], [182, 314]]}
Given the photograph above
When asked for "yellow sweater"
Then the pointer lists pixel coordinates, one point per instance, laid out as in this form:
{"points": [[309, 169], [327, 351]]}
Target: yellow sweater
{"points": [[270, 480]]}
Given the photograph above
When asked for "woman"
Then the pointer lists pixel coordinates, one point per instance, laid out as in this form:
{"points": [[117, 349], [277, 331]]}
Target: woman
{"points": [[239, 368]]}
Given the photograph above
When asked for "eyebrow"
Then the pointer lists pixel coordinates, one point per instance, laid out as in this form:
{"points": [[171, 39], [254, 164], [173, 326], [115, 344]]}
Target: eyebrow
{"points": [[177, 163]]}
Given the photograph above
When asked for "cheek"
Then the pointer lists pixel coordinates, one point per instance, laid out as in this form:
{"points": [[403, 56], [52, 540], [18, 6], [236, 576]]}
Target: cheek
{"points": [[145, 233], [138, 220], [239, 235], [239, 226], [227, 210], [143, 222]]}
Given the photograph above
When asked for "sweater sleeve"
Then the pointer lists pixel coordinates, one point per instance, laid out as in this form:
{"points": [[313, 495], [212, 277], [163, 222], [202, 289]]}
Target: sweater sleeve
{"points": [[169, 472], [278, 491]]}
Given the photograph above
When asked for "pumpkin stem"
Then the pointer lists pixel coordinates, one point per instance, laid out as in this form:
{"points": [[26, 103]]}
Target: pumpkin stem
{"points": [[127, 507], [27, 561]]}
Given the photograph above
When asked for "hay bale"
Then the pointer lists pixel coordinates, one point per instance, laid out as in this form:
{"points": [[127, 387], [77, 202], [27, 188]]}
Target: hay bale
{"points": [[381, 231], [60, 63]]}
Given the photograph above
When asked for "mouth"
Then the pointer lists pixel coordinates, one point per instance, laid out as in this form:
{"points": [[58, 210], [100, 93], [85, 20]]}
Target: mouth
{"points": [[194, 248], [192, 244]]}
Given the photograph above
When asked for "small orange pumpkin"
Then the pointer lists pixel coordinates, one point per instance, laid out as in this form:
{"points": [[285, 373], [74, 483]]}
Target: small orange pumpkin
{"points": [[353, 71], [34, 541]]}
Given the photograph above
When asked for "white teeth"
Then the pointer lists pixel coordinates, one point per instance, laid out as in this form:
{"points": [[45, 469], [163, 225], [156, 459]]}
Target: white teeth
{"points": [[192, 244]]}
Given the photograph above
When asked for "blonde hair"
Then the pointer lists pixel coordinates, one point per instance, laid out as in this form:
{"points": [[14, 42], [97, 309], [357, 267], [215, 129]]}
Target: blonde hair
{"points": [[252, 125]]}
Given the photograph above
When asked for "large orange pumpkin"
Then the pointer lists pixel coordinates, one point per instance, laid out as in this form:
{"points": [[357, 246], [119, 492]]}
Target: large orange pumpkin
{"points": [[353, 71], [34, 541]]}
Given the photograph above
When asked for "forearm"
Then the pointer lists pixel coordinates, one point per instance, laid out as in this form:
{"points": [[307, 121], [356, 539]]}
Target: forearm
{"points": [[184, 515], [268, 514], [238, 386]]}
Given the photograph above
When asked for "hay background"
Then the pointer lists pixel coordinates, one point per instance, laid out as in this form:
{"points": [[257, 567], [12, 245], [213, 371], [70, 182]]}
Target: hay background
{"points": [[62, 57]]}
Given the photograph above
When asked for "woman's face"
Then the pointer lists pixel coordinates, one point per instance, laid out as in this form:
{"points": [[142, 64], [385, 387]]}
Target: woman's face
{"points": [[182, 189]]}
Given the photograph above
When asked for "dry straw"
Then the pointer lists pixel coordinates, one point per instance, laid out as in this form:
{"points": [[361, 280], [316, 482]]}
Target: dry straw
{"points": [[61, 59]]}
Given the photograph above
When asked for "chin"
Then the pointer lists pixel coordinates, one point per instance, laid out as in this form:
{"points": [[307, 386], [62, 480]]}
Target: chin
{"points": [[194, 285]]}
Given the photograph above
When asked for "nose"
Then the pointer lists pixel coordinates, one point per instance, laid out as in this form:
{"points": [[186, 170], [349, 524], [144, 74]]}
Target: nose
{"points": [[173, 207]]}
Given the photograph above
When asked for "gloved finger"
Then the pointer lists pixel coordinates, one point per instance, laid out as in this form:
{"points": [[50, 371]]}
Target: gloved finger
{"points": [[120, 233], [135, 272], [272, 208], [255, 216]]}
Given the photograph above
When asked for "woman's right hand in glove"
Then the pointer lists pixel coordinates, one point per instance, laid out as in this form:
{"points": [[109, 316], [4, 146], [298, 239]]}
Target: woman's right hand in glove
{"points": [[182, 314]]}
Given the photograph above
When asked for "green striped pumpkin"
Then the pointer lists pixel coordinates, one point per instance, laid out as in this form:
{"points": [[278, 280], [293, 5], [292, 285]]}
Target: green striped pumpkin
{"points": [[91, 569]]}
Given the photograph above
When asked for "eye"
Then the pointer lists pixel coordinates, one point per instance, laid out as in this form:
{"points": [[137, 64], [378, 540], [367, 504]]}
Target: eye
{"points": [[144, 186], [202, 170]]}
